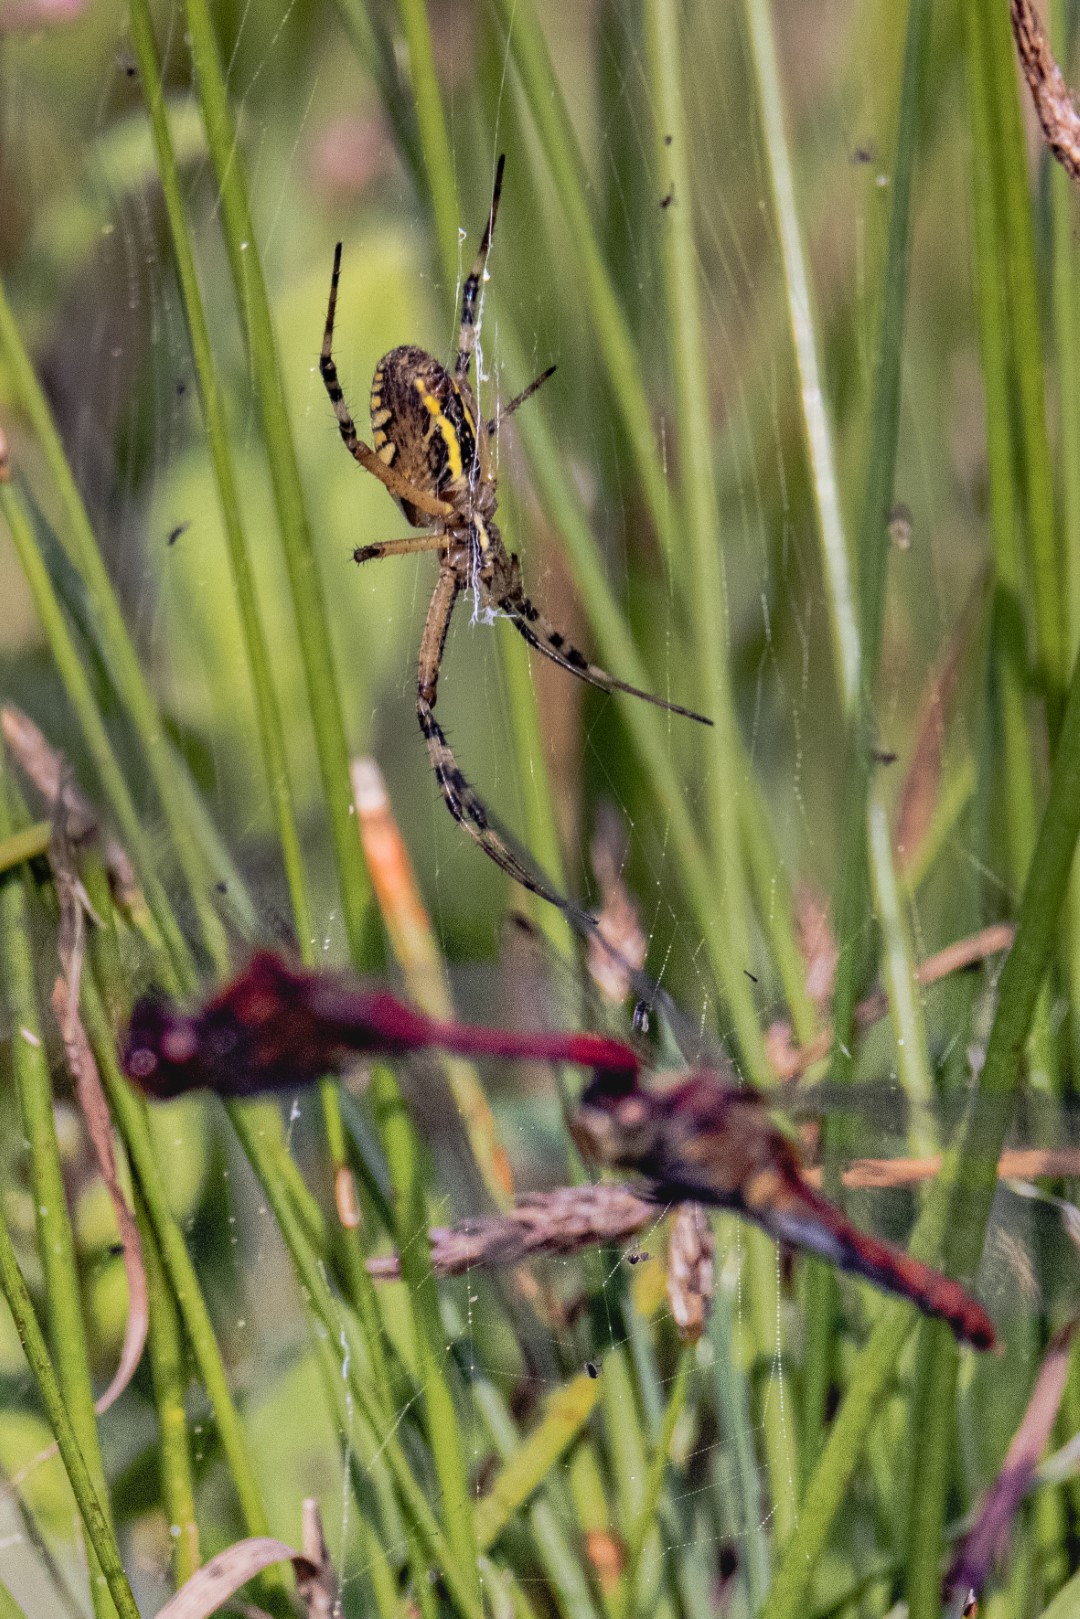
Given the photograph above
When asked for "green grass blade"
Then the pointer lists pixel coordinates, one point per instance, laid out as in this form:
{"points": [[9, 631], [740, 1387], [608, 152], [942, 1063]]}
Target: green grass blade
{"points": [[529, 53], [28, 843], [443, 1428], [839, 582], [172, 788], [91, 1511], [1008, 153], [84, 703], [165, 1351], [271, 731], [564, 1415], [56, 1242], [1021, 981], [130, 1115], [654, 1483], [460, 1580], [294, 529], [438, 171], [699, 513]]}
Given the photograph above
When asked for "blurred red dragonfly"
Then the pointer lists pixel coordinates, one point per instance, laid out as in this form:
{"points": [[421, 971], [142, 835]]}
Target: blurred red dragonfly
{"points": [[704, 1138], [277, 1026]]}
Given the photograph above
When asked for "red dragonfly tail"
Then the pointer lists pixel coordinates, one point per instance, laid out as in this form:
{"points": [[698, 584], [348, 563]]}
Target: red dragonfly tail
{"points": [[807, 1220]]}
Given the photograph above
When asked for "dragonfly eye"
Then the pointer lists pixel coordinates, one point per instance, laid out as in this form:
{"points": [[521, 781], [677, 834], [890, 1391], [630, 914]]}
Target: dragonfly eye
{"points": [[641, 1018], [179, 1044], [140, 1062]]}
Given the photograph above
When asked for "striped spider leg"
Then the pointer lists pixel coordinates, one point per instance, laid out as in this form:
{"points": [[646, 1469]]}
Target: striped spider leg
{"points": [[432, 449]]}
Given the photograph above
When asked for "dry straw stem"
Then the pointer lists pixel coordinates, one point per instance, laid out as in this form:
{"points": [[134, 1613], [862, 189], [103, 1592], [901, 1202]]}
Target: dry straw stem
{"points": [[1054, 104], [791, 1062], [987, 1541], [575, 1217], [690, 1270], [560, 1222]]}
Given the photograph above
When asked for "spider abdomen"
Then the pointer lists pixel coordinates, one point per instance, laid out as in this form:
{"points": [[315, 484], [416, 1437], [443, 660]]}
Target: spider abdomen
{"points": [[423, 425]]}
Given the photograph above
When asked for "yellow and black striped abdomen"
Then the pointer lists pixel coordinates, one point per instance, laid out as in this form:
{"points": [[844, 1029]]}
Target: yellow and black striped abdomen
{"points": [[422, 424]]}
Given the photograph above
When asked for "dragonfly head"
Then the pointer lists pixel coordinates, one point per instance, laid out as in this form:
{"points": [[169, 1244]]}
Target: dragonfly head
{"points": [[615, 1122], [161, 1046]]}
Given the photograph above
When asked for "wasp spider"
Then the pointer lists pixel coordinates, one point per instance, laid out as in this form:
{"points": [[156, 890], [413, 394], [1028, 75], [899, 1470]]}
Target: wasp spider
{"points": [[433, 452]]}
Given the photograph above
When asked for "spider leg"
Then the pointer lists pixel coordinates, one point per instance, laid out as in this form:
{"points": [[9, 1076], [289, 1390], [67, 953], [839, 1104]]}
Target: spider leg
{"points": [[542, 635], [470, 293], [399, 548], [461, 800], [398, 486], [515, 404]]}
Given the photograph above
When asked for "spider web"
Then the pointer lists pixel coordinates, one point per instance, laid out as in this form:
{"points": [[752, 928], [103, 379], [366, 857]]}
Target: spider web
{"points": [[90, 275]]}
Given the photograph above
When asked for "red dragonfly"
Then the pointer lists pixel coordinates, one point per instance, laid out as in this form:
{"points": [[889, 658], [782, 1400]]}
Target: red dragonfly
{"points": [[703, 1138], [278, 1026]]}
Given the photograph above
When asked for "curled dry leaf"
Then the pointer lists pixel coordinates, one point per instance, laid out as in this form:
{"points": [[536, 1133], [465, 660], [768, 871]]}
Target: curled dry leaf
{"points": [[91, 1095], [1054, 104], [690, 1270], [987, 1539], [48, 770], [213, 1585]]}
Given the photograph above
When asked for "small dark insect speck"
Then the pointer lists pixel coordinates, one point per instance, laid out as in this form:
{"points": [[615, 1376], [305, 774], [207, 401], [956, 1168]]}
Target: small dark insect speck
{"points": [[221, 888], [863, 154], [592, 1368], [175, 533], [883, 756], [126, 63], [667, 200], [749, 975], [114, 1250], [667, 140], [638, 1257], [181, 388]]}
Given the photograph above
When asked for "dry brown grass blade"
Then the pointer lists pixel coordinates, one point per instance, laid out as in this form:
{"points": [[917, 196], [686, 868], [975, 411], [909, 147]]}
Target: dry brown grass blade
{"points": [[791, 1062], [413, 942], [90, 1095], [560, 1222], [817, 943], [887, 1174], [618, 924], [48, 770], [922, 783], [222, 1577], [316, 1580], [1054, 104], [987, 1539]]}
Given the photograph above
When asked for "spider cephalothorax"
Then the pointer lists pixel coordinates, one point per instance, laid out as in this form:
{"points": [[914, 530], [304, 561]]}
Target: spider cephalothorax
{"points": [[432, 450]]}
